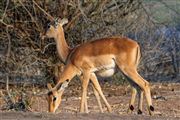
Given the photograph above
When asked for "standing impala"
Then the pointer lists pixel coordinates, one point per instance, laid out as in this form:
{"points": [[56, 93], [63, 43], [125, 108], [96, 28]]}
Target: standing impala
{"points": [[101, 57]]}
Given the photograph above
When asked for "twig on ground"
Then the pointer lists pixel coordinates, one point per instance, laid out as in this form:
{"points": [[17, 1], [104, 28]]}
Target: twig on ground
{"points": [[8, 92]]}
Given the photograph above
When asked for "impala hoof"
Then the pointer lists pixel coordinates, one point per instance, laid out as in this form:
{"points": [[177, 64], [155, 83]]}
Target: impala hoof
{"points": [[131, 107], [139, 112], [151, 108]]}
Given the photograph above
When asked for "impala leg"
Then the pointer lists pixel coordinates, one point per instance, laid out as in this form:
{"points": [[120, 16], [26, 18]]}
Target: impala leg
{"points": [[96, 95], [143, 84], [131, 72], [147, 95], [83, 107], [133, 98], [140, 102], [85, 104], [69, 72], [131, 103], [149, 100], [98, 88], [97, 98]]}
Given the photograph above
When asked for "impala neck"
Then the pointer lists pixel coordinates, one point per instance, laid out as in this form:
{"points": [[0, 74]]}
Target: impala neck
{"points": [[62, 47]]}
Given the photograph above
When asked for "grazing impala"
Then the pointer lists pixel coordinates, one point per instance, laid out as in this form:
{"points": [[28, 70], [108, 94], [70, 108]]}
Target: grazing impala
{"points": [[102, 57], [64, 50]]}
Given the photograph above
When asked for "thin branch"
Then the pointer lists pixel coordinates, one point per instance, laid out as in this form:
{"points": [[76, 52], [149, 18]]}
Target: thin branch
{"points": [[6, 24], [49, 16], [47, 46], [82, 11], [7, 90], [4, 97], [167, 6], [28, 13], [69, 25], [7, 4], [9, 44]]}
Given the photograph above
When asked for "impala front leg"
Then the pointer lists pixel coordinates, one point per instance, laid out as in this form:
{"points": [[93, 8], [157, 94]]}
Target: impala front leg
{"points": [[95, 93], [69, 72], [85, 82]]}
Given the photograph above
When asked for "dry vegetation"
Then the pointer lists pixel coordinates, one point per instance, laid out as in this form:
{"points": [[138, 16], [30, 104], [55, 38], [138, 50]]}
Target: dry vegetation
{"points": [[26, 60]]}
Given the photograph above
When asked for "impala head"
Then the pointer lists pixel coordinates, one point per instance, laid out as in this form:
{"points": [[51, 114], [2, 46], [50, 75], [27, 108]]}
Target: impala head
{"points": [[54, 97], [54, 27]]}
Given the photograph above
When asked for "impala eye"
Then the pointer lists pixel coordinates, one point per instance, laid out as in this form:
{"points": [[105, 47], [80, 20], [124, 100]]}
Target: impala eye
{"points": [[49, 93], [67, 80], [54, 99]]}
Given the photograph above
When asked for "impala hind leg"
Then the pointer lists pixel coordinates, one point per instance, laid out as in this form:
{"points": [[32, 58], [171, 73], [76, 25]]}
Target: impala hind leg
{"points": [[98, 88], [132, 100], [97, 98], [143, 84], [131, 72], [135, 91], [140, 101]]}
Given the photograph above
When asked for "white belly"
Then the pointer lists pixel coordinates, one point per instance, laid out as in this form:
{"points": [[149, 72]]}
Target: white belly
{"points": [[106, 73], [105, 70]]}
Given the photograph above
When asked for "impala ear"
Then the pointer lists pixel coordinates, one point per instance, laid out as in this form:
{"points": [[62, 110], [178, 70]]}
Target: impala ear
{"points": [[49, 86], [63, 21]]}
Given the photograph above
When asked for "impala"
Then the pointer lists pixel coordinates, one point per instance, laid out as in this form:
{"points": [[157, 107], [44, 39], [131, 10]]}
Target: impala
{"points": [[102, 57], [55, 30]]}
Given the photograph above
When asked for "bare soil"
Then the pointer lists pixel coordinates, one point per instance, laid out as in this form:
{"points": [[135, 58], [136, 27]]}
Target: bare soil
{"points": [[166, 100]]}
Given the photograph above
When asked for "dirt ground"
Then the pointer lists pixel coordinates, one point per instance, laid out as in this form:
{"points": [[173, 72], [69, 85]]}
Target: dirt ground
{"points": [[166, 100]]}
